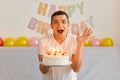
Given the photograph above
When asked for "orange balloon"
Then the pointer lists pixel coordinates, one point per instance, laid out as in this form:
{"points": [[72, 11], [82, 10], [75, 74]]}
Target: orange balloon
{"points": [[9, 42], [107, 41], [22, 41]]}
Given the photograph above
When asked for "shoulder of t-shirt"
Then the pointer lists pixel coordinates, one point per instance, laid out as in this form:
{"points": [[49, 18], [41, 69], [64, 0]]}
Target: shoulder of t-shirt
{"points": [[46, 37], [72, 35]]}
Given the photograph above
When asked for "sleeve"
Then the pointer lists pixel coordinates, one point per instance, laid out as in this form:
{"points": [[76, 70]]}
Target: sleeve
{"points": [[41, 47]]}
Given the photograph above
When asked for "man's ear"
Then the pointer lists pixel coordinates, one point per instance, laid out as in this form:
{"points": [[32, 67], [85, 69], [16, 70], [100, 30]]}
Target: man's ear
{"points": [[51, 26]]}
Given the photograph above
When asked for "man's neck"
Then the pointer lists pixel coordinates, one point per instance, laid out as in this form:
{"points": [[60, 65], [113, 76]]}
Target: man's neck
{"points": [[59, 39]]}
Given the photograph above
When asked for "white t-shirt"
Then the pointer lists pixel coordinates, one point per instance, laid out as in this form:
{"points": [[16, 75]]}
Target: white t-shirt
{"points": [[69, 46]]}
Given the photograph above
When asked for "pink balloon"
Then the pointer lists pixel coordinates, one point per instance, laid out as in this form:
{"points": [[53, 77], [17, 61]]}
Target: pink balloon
{"points": [[33, 41], [95, 42]]}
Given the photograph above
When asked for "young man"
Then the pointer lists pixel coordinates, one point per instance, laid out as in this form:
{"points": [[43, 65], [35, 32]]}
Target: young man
{"points": [[70, 43]]}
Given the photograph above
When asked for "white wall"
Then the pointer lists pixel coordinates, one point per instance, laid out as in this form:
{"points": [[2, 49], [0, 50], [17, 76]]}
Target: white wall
{"points": [[16, 14]]}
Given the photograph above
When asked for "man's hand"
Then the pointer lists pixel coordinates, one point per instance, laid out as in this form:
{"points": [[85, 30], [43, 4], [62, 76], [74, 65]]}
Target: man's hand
{"points": [[84, 37]]}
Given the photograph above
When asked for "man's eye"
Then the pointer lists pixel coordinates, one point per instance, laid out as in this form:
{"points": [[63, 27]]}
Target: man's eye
{"points": [[64, 22], [55, 22]]}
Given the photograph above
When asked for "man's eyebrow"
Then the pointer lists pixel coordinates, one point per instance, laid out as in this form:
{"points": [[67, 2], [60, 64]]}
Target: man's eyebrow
{"points": [[61, 20], [64, 20], [55, 20]]}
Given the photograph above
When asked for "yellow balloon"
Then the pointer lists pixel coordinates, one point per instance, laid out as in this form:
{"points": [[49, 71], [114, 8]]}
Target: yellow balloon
{"points": [[87, 43], [9, 42], [22, 41], [107, 41]]}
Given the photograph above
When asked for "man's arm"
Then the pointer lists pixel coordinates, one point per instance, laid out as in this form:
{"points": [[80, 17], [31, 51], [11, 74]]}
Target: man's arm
{"points": [[44, 69], [77, 57]]}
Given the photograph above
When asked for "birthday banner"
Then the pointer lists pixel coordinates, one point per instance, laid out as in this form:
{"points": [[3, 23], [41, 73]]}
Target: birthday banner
{"points": [[46, 10]]}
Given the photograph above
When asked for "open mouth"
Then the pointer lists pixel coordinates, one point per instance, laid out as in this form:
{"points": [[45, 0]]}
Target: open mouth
{"points": [[60, 31]]}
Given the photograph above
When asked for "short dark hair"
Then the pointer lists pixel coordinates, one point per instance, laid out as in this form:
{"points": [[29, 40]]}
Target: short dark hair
{"points": [[59, 13]]}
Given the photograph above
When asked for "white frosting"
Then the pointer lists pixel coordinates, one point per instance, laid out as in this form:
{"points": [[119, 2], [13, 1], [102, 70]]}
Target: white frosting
{"points": [[55, 56], [56, 60]]}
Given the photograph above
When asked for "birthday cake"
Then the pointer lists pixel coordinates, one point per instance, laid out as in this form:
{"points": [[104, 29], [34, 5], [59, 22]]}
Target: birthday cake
{"points": [[56, 57]]}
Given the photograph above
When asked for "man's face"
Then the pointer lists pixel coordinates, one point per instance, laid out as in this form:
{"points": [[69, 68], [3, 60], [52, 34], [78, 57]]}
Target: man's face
{"points": [[60, 25]]}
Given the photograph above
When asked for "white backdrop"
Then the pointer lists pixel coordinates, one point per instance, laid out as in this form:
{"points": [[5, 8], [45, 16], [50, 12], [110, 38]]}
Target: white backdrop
{"points": [[21, 63], [16, 14]]}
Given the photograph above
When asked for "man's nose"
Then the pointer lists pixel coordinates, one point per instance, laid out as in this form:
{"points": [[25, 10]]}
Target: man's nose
{"points": [[60, 24]]}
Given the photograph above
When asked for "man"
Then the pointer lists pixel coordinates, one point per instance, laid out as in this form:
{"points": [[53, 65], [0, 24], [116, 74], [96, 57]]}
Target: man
{"points": [[70, 43]]}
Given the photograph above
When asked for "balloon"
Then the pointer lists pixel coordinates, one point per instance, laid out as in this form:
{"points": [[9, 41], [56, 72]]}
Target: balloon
{"points": [[107, 41], [1, 41], [95, 42], [87, 43], [33, 41], [22, 41], [9, 42]]}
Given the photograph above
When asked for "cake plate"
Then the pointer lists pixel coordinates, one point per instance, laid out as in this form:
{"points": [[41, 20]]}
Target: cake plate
{"points": [[58, 65]]}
